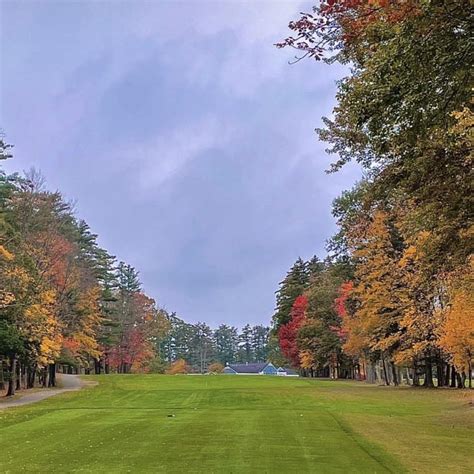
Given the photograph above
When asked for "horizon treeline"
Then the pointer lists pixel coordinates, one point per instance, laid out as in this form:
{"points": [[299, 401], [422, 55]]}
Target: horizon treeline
{"points": [[66, 302], [395, 298], [199, 346]]}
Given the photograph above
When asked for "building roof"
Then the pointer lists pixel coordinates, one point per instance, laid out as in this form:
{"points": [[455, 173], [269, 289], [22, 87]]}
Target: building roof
{"points": [[287, 370], [254, 368], [229, 370]]}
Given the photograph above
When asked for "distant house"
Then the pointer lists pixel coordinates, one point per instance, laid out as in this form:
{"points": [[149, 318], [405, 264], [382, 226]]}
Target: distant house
{"points": [[287, 372], [260, 368]]}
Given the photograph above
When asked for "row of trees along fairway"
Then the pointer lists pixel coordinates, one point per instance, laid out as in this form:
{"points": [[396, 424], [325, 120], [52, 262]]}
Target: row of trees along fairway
{"points": [[63, 299], [66, 302], [395, 299]]}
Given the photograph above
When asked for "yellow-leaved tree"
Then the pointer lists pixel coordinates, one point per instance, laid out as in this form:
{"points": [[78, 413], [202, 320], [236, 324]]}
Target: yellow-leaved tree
{"points": [[457, 328], [43, 329], [374, 327], [81, 342], [178, 367], [421, 297]]}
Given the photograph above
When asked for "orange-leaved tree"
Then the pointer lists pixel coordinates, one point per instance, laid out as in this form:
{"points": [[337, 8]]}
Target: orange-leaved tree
{"points": [[457, 329], [178, 367]]}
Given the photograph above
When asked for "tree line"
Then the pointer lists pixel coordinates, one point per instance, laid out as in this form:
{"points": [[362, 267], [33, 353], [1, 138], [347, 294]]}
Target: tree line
{"points": [[199, 346], [66, 302], [394, 299]]}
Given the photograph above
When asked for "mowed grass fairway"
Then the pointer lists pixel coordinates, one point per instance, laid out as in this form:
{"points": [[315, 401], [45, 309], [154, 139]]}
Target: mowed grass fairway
{"points": [[239, 424]]}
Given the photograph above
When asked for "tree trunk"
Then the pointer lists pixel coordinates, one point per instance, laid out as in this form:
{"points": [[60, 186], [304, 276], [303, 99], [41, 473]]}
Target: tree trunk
{"points": [[394, 374], [2, 377], [52, 375], [12, 379], [18, 376], [387, 382], [469, 367], [44, 377], [407, 375], [453, 377], [416, 377], [440, 373], [25, 376], [370, 372], [31, 377], [460, 382], [447, 372], [428, 374]]}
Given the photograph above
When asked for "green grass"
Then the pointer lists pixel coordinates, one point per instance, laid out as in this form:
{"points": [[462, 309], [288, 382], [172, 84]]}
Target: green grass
{"points": [[239, 424]]}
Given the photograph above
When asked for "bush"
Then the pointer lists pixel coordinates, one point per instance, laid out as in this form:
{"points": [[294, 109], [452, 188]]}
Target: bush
{"points": [[178, 367], [215, 367]]}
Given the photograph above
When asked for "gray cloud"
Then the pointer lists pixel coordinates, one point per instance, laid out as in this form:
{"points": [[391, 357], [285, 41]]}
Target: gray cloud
{"points": [[185, 137]]}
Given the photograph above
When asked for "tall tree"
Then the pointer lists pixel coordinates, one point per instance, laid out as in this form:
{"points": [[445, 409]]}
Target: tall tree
{"points": [[260, 336], [291, 287], [288, 333], [226, 341], [245, 344]]}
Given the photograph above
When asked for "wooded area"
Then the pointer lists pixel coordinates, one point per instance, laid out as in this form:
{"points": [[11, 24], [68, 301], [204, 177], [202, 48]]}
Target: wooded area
{"points": [[67, 303], [394, 299]]}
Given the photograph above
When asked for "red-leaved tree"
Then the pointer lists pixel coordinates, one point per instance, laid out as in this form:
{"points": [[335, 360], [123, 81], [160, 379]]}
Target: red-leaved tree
{"points": [[340, 23], [340, 305], [288, 333]]}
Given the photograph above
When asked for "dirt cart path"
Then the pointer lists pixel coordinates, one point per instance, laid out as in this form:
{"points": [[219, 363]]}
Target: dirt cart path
{"points": [[69, 383]]}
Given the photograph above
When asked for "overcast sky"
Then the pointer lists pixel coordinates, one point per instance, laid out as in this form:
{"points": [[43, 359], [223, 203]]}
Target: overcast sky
{"points": [[184, 136]]}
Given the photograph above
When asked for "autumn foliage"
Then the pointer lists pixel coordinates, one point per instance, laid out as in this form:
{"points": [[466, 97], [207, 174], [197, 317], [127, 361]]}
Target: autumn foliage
{"points": [[215, 368], [335, 22], [400, 267], [457, 326], [178, 367], [64, 302], [288, 333]]}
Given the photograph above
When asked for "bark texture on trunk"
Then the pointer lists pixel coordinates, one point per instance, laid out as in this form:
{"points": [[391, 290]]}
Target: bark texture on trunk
{"points": [[385, 374], [440, 373], [31, 377], [52, 375], [18, 376], [428, 374], [44, 377], [2, 376], [12, 380], [453, 377], [394, 374]]}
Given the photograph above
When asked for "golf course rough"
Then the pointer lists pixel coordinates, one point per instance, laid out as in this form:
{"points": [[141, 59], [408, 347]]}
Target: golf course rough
{"points": [[239, 424]]}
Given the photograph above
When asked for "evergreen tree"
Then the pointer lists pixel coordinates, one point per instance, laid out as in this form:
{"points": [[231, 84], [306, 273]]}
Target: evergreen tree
{"points": [[128, 280], [202, 346], [291, 287], [245, 344], [259, 343], [226, 342]]}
